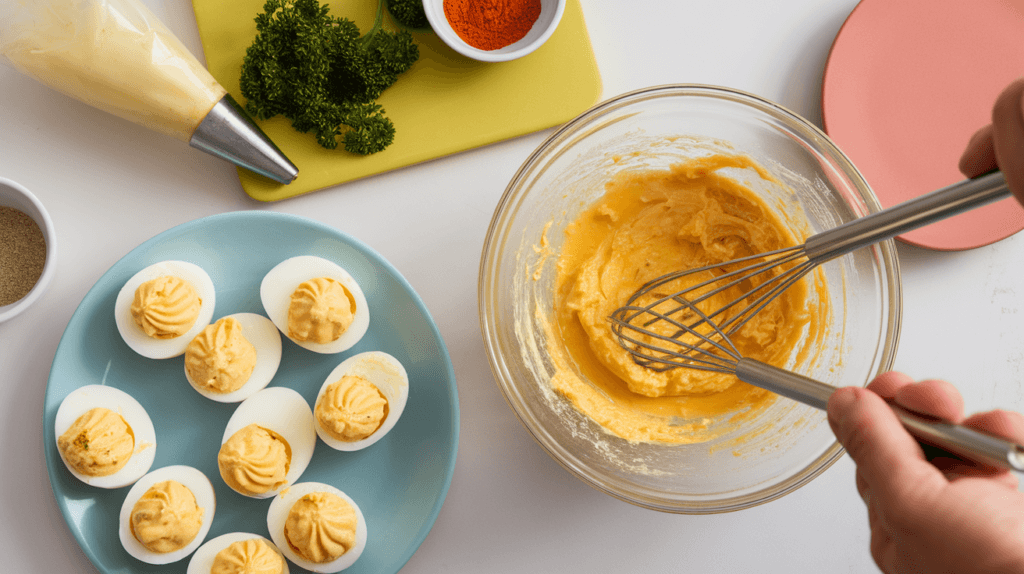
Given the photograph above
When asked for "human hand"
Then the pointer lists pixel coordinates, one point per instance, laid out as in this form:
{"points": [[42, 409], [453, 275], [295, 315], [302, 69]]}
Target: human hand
{"points": [[1001, 143], [929, 516]]}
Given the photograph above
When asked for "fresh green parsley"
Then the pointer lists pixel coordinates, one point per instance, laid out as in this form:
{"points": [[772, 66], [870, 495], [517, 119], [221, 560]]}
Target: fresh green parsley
{"points": [[318, 71]]}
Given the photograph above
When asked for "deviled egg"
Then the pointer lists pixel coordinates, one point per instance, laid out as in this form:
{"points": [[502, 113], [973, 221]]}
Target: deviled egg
{"points": [[104, 436], [238, 552], [163, 307], [167, 514], [268, 443], [317, 526], [234, 357], [315, 303], [361, 400]]}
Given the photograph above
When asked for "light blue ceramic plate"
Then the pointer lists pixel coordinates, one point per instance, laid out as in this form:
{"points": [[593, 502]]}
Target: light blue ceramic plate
{"points": [[399, 483]]}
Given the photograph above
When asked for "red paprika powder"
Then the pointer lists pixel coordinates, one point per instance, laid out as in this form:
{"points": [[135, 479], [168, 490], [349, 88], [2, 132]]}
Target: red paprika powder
{"points": [[491, 24]]}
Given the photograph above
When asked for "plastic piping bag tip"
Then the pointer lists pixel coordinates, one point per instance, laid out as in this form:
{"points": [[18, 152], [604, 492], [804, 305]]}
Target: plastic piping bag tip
{"points": [[229, 133]]}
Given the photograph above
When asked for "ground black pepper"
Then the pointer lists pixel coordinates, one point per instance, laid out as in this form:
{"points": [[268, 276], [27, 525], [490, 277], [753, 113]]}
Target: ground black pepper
{"points": [[22, 254]]}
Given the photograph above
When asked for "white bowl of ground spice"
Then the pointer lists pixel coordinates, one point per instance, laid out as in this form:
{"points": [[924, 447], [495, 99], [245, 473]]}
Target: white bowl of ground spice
{"points": [[494, 30], [28, 249]]}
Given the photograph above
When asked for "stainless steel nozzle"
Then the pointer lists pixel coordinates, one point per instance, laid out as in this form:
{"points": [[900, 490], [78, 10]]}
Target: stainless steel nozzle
{"points": [[229, 133]]}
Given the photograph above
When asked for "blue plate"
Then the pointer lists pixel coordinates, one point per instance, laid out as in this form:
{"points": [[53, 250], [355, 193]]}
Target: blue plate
{"points": [[399, 483]]}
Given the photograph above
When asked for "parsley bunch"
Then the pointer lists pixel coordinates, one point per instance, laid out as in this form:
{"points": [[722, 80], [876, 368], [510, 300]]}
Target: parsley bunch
{"points": [[409, 13], [319, 72]]}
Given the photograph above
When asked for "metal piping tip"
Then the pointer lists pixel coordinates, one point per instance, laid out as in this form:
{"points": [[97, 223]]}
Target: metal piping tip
{"points": [[228, 133]]}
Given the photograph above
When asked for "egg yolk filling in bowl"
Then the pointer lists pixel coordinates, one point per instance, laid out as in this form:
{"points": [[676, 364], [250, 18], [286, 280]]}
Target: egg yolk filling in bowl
{"points": [[661, 180], [648, 223]]}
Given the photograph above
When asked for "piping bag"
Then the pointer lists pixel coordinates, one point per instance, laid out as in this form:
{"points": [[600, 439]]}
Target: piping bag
{"points": [[115, 55]]}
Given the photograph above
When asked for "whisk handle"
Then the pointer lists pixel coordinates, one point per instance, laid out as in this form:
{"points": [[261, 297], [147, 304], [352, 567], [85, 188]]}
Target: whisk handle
{"points": [[959, 440], [962, 441], [912, 214], [786, 383]]}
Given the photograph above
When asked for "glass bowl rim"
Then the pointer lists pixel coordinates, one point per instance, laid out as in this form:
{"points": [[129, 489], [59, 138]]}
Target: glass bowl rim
{"points": [[586, 120]]}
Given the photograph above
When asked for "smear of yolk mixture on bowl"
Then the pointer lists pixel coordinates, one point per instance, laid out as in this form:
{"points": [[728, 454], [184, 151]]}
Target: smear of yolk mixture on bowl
{"points": [[648, 223]]}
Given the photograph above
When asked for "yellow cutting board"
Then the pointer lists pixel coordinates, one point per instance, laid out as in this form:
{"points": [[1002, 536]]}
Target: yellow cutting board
{"points": [[444, 104]]}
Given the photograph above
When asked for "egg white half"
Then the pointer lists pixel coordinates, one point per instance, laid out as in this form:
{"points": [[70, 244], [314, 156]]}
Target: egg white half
{"points": [[201, 488], [84, 399], [135, 337], [285, 412], [277, 515], [281, 281], [388, 375], [265, 337], [202, 560]]}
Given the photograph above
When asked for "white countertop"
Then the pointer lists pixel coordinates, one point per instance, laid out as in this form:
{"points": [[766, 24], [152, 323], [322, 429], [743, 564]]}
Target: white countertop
{"points": [[510, 508]]}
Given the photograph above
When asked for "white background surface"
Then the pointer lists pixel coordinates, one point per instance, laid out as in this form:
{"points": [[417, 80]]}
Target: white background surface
{"points": [[110, 185]]}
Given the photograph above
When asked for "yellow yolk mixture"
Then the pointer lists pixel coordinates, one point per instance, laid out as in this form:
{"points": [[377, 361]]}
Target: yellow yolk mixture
{"points": [[321, 527], [166, 518], [351, 408], [254, 460], [220, 359], [253, 556], [117, 57], [320, 311], [649, 223], [99, 443], [165, 307]]}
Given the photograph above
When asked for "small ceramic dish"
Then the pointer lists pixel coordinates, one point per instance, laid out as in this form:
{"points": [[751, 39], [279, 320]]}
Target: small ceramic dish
{"points": [[16, 196], [543, 27]]}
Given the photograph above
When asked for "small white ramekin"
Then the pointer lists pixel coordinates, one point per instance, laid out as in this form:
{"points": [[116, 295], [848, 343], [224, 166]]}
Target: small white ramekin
{"points": [[550, 15], [15, 195]]}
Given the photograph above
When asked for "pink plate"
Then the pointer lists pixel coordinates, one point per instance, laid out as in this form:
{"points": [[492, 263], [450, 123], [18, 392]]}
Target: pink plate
{"points": [[906, 85]]}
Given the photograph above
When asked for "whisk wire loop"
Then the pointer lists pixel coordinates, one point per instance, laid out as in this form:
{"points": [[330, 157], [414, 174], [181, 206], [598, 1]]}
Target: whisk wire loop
{"points": [[660, 351], [722, 282], [703, 344], [707, 352], [778, 284], [748, 271], [780, 268]]}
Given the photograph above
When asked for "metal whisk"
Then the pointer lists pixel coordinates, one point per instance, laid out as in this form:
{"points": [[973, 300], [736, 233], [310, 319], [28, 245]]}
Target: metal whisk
{"points": [[717, 352], [772, 273], [671, 331]]}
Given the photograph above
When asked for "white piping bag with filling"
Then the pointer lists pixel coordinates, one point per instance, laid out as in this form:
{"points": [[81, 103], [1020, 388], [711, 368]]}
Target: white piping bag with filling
{"points": [[116, 55]]}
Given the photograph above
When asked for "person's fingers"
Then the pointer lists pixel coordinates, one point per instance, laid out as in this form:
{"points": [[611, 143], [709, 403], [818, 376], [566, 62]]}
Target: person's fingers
{"points": [[954, 469], [873, 515], [980, 154], [1006, 424], [1008, 135], [862, 487], [888, 384], [881, 546], [877, 527], [933, 397], [889, 459]]}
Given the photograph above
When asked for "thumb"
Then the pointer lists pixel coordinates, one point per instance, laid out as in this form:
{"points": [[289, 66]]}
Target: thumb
{"points": [[889, 460]]}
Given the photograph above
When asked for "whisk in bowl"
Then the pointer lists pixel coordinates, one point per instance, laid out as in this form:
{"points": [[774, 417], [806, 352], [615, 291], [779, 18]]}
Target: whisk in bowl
{"points": [[773, 272], [715, 351], [668, 331]]}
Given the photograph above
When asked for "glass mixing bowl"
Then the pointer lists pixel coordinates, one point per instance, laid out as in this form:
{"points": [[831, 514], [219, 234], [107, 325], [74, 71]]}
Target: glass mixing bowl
{"points": [[764, 457]]}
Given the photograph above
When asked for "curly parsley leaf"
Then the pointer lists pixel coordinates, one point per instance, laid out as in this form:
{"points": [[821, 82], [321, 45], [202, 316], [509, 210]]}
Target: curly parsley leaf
{"points": [[318, 71]]}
